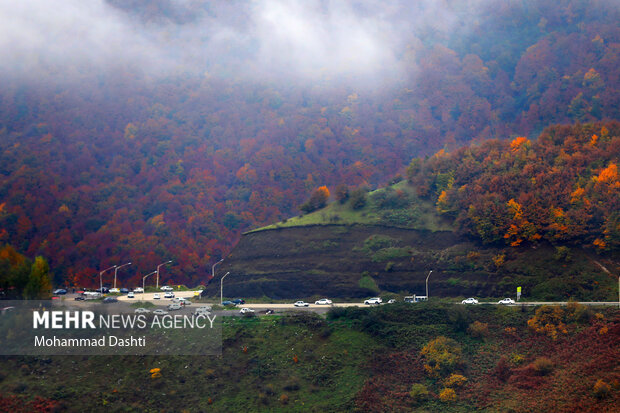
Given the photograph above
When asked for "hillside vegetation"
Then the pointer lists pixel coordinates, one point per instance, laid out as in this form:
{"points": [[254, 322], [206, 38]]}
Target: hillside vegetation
{"points": [[107, 164], [393, 358]]}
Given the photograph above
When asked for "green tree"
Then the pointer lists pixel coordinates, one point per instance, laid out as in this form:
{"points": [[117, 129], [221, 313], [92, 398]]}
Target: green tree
{"points": [[39, 284]]}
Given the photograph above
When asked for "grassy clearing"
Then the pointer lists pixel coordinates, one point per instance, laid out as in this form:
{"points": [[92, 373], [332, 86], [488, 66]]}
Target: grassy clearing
{"points": [[383, 207]]}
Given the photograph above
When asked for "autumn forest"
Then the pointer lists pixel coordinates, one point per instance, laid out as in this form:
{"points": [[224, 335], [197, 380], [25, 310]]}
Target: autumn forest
{"points": [[101, 167]]}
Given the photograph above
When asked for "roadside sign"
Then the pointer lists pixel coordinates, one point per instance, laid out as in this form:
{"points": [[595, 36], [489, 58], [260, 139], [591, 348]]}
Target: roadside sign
{"points": [[518, 293]]}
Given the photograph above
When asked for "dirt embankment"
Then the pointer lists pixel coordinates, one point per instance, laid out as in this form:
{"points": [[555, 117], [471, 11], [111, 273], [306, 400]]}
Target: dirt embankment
{"points": [[352, 261]]}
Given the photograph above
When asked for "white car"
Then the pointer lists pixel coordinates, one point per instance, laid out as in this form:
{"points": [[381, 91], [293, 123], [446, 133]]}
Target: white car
{"points": [[169, 295], [374, 300], [131, 295], [301, 304], [391, 301], [138, 290], [160, 312], [323, 301], [174, 306], [470, 300], [246, 310], [156, 296], [142, 310], [115, 290], [506, 301], [167, 288]]}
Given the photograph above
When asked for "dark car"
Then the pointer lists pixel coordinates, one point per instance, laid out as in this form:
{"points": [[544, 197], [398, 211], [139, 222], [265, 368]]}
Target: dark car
{"points": [[225, 303], [109, 300], [124, 290], [60, 291], [103, 290], [238, 301], [79, 298]]}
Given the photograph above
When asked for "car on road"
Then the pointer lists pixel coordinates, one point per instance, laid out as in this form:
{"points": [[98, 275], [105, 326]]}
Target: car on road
{"points": [[166, 288], [79, 298], [169, 294], [60, 291], [227, 303], [174, 306], [246, 310], [141, 310], [323, 301], [269, 311], [470, 300], [506, 301], [391, 301], [238, 301], [138, 290], [131, 295], [159, 311], [374, 300], [124, 290], [301, 304], [103, 290], [109, 300], [202, 311], [115, 290], [156, 296]]}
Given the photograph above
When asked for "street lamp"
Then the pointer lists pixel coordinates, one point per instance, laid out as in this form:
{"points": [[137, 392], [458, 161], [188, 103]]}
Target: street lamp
{"points": [[429, 274], [222, 288], [116, 270], [101, 278], [213, 268], [143, 281], [163, 263]]}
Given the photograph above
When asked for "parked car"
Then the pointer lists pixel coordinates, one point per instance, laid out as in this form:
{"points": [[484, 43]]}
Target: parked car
{"points": [[301, 304], [103, 290], [374, 300], [159, 311], [166, 288], [79, 298], [470, 300], [227, 303], [141, 310], [156, 296], [168, 294], [174, 306], [131, 295], [109, 300], [238, 301], [506, 301], [391, 301], [138, 290], [115, 290], [60, 291], [124, 290], [323, 301], [246, 310]]}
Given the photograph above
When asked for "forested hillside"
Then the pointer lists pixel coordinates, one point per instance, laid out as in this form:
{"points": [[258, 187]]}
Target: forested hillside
{"points": [[563, 187], [103, 163]]}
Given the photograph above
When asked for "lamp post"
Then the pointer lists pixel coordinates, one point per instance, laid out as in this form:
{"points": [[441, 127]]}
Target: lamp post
{"points": [[101, 278], [163, 263], [429, 274], [116, 270], [143, 282], [222, 288], [213, 268]]}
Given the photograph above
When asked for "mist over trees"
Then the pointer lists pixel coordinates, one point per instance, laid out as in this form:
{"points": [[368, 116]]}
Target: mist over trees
{"points": [[147, 131]]}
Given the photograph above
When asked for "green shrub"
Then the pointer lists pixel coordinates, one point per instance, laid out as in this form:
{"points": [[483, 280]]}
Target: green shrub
{"points": [[418, 392]]}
